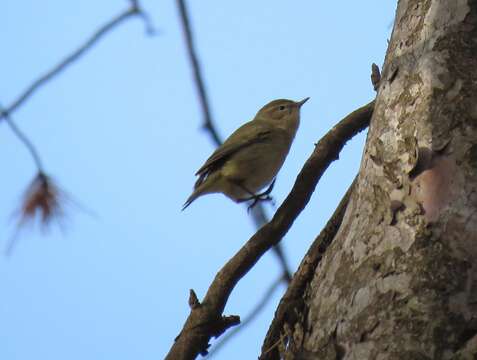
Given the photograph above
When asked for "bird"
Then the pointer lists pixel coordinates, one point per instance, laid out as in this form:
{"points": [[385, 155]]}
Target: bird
{"points": [[251, 156]]}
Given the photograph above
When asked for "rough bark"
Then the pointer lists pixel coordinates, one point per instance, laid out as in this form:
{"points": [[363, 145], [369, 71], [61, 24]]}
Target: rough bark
{"points": [[399, 280]]}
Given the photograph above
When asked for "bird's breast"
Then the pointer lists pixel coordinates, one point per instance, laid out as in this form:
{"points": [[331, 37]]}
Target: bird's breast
{"points": [[257, 165]]}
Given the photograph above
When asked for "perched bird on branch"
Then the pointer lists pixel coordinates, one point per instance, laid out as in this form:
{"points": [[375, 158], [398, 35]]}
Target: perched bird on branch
{"points": [[252, 156]]}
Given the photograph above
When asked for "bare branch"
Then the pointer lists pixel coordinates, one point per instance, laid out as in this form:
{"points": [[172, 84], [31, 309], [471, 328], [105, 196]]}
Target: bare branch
{"points": [[203, 98], [193, 339], [133, 10], [292, 302]]}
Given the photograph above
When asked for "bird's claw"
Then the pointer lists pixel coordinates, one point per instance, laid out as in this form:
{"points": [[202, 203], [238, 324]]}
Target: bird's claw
{"points": [[257, 199], [264, 196]]}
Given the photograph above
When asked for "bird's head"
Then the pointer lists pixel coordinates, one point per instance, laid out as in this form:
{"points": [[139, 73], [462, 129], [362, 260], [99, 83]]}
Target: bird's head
{"points": [[283, 112]]}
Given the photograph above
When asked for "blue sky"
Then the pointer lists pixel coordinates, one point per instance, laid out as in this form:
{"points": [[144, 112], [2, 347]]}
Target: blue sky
{"points": [[120, 131]]}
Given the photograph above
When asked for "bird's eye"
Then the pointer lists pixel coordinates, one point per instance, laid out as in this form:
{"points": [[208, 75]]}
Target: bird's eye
{"points": [[281, 107]]}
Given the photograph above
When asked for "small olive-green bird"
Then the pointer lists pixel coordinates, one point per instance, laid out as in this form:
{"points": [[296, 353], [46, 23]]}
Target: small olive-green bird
{"points": [[252, 156]]}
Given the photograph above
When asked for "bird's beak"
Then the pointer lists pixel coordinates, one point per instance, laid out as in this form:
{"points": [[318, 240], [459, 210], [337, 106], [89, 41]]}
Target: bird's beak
{"points": [[300, 103]]}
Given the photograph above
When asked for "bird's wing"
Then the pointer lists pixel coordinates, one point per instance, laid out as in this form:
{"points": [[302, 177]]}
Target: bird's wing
{"points": [[244, 136]]}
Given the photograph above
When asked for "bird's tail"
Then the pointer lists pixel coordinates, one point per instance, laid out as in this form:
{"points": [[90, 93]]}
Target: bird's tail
{"points": [[206, 184], [201, 187], [191, 198]]}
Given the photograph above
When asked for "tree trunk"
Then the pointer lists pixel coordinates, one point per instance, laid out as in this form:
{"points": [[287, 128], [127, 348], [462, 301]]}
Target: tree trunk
{"points": [[399, 280]]}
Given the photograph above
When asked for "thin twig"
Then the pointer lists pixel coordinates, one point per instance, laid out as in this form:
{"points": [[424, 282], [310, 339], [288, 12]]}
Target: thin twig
{"points": [[133, 10], [203, 98], [24, 139], [45, 198], [274, 345], [249, 318], [193, 339], [260, 219]]}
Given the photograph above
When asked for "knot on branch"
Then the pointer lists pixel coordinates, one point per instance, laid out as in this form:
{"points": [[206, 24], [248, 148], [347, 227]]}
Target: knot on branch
{"points": [[194, 302], [4, 113], [375, 76], [135, 8], [218, 327], [205, 324], [225, 322]]}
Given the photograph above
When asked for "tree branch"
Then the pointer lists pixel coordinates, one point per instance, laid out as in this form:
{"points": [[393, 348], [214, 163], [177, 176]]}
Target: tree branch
{"points": [[133, 10], [193, 339], [291, 303]]}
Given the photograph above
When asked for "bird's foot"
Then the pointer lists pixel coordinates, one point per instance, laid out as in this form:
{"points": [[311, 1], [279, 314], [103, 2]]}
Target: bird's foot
{"points": [[257, 199], [264, 196]]}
